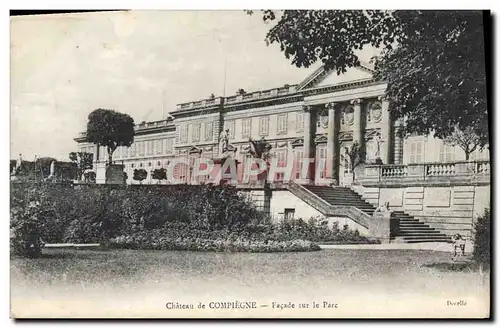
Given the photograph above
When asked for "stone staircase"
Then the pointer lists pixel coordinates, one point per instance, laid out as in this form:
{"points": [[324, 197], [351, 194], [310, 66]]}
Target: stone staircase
{"points": [[405, 228], [341, 196], [411, 230]]}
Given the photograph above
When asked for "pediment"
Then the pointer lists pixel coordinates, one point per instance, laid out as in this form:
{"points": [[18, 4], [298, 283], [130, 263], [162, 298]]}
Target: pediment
{"points": [[323, 78], [194, 150], [320, 139], [345, 136], [297, 142], [371, 134]]}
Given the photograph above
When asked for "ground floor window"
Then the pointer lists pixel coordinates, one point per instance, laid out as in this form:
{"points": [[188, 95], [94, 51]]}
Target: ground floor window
{"points": [[289, 213]]}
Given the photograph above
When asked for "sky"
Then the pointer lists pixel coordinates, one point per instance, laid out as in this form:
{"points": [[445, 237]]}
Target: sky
{"points": [[141, 63]]}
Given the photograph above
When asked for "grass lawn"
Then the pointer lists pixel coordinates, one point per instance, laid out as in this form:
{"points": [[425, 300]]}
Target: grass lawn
{"points": [[363, 283]]}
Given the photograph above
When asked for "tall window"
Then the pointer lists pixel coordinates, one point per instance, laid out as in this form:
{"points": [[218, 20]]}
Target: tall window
{"points": [[209, 131], [150, 150], [230, 125], [300, 122], [299, 156], [446, 153], [246, 130], [416, 152], [282, 123], [321, 162], [141, 145], [159, 146], [281, 159], [133, 149], [169, 145], [196, 132], [263, 126], [183, 133]]}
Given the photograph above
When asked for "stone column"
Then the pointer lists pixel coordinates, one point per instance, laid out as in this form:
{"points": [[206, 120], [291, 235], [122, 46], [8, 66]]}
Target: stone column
{"points": [[308, 140], [398, 143], [331, 147], [357, 133], [386, 135]]}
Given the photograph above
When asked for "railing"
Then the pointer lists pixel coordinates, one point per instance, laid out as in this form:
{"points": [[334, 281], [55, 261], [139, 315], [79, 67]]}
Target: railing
{"points": [[149, 125], [472, 171], [394, 171]]}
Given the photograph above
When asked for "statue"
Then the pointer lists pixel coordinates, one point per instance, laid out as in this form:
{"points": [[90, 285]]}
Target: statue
{"points": [[19, 162], [382, 208], [378, 141], [223, 141], [52, 170]]}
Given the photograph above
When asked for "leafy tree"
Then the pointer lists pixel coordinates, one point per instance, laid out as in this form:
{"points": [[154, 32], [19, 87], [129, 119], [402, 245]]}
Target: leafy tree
{"points": [[355, 156], [159, 174], [466, 139], [111, 129], [140, 175], [90, 176], [432, 61], [41, 166], [83, 161], [482, 239], [66, 171]]}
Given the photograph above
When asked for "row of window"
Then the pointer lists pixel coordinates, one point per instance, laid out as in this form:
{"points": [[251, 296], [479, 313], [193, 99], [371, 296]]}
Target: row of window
{"points": [[183, 130], [447, 153], [137, 149]]}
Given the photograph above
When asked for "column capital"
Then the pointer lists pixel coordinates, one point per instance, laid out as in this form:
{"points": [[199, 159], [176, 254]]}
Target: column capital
{"points": [[307, 108], [356, 102], [330, 105], [383, 98]]}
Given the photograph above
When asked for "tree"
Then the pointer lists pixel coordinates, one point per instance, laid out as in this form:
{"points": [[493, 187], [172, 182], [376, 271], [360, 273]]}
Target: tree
{"points": [[41, 166], [355, 156], [140, 175], [466, 139], [241, 92], [432, 61], [261, 149], [90, 176], [83, 162], [159, 174], [110, 129]]}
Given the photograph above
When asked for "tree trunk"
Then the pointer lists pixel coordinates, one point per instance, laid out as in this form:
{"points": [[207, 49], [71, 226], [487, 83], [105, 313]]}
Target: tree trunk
{"points": [[467, 155], [110, 154]]}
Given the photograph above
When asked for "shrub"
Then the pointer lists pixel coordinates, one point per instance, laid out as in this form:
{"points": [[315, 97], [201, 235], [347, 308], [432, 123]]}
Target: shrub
{"points": [[27, 220], [164, 239], [482, 237]]}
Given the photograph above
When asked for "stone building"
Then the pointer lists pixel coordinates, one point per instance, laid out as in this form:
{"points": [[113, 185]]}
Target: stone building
{"points": [[427, 180]]}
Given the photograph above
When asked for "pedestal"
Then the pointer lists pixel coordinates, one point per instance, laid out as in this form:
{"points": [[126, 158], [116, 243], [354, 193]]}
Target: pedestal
{"points": [[114, 174], [217, 173]]}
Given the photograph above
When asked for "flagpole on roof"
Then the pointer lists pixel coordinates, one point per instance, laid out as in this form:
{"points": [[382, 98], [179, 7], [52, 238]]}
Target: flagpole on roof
{"points": [[225, 76]]}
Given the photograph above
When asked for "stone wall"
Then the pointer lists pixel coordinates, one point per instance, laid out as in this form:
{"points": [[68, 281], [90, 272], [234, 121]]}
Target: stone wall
{"points": [[450, 209], [284, 199]]}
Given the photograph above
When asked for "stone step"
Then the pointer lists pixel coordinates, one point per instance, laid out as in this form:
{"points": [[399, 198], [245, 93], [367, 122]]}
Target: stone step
{"points": [[421, 235], [417, 230], [414, 224]]}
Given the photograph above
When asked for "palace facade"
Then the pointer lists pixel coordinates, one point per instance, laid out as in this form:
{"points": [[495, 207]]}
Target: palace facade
{"points": [[321, 117]]}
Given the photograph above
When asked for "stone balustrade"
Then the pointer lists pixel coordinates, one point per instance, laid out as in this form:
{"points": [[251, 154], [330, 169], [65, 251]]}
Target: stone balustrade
{"points": [[199, 104], [438, 173], [288, 89], [151, 125]]}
